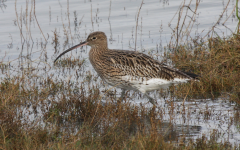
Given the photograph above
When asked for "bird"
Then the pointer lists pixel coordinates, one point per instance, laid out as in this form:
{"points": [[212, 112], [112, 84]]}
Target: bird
{"points": [[129, 70]]}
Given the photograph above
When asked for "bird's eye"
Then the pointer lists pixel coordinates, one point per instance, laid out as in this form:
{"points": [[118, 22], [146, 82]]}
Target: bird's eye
{"points": [[94, 38]]}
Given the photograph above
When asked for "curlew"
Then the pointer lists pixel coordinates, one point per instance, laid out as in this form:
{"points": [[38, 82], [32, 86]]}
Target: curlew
{"points": [[129, 70]]}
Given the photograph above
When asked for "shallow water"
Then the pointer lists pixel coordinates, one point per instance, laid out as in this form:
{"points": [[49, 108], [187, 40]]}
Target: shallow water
{"points": [[155, 23], [117, 19]]}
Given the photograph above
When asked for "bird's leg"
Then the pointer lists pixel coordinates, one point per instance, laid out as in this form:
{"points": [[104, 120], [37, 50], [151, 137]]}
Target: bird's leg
{"points": [[151, 100], [122, 94]]}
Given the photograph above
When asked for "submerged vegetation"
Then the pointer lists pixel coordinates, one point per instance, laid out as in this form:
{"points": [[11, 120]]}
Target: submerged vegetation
{"points": [[65, 106]]}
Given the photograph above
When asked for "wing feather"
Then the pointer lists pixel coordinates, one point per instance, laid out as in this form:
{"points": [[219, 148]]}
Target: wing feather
{"points": [[131, 63]]}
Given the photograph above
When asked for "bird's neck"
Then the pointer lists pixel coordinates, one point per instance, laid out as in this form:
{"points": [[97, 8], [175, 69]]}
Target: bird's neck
{"points": [[98, 50], [96, 55]]}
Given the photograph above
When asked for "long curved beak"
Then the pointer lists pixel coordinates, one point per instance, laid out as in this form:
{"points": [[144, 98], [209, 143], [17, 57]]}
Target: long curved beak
{"points": [[72, 48]]}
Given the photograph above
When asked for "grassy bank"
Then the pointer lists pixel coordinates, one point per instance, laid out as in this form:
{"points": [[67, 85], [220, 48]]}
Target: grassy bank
{"points": [[217, 61]]}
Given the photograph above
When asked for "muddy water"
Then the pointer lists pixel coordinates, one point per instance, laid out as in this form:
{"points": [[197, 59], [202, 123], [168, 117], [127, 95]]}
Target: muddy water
{"points": [[73, 21]]}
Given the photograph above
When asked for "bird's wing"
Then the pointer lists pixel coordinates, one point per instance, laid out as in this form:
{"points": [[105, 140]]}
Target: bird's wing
{"points": [[131, 63]]}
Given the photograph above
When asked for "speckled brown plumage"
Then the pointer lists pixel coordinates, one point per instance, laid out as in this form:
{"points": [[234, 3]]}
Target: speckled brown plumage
{"points": [[127, 69]]}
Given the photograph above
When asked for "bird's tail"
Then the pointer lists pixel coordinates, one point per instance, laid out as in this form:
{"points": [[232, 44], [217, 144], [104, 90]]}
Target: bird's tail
{"points": [[192, 75]]}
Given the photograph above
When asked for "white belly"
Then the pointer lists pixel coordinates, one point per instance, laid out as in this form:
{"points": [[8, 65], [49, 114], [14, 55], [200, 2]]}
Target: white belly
{"points": [[145, 85]]}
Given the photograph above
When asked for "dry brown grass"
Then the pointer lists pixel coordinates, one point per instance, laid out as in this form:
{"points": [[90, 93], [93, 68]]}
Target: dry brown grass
{"points": [[74, 119], [68, 116], [68, 62], [218, 65]]}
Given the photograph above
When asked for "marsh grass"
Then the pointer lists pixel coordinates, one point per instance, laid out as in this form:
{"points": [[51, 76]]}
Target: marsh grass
{"points": [[50, 113], [68, 62], [4, 66], [217, 63], [76, 119]]}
